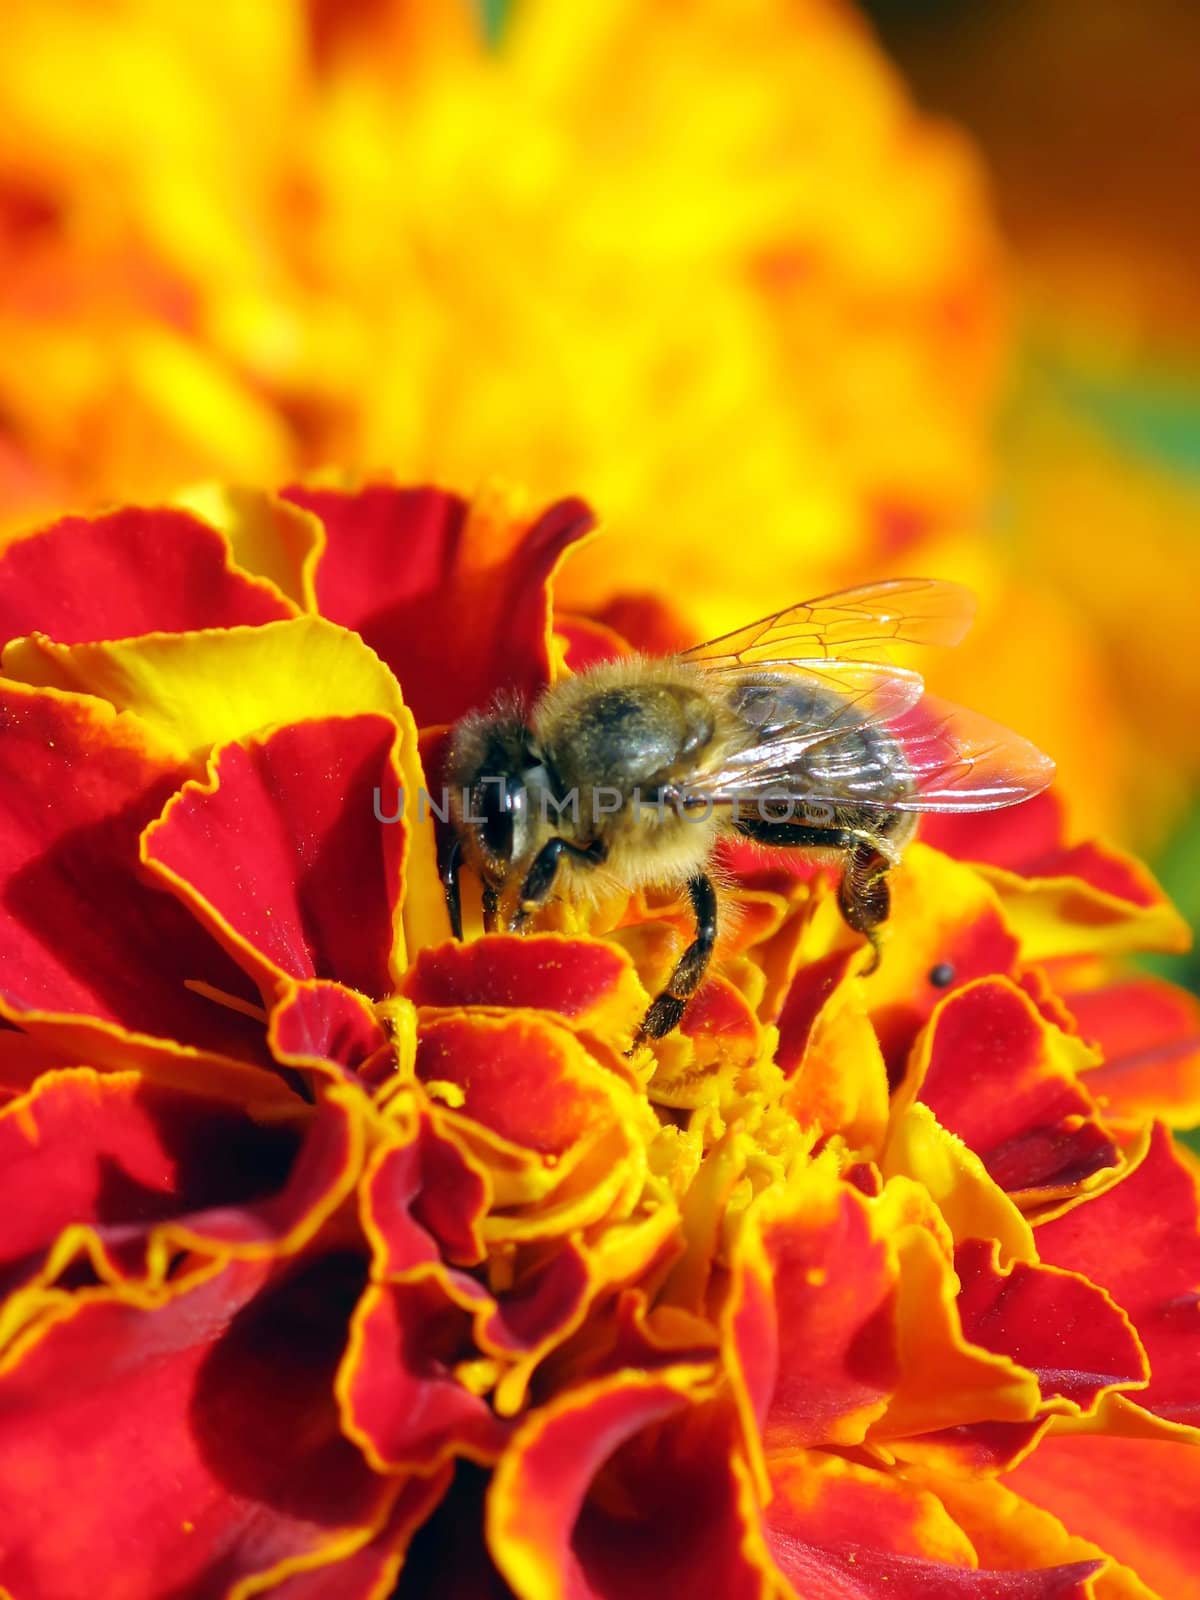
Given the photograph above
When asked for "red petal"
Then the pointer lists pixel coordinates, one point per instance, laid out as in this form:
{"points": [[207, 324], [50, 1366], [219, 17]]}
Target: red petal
{"points": [[132, 571], [668, 1515], [456, 606], [972, 950], [423, 1202], [544, 1305], [1003, 1080], [810, 1319], [402, 1401], [838, 1532], [721, 1025], [1140, 1240], [1062, 899], [838, 1084], [204, 1443], [807, 995], [319, 1024], [1135, 1498], [282, 853], [1148, 1032], [322, 1174], [83, 934], [524, 1078], [24, 1058], [1036, 983], [1139, 1014], [585, 643], [948, 931], [1060, 1326], [138, 1162], [1008, 838], [584, 980], [1100, 866], [879, 1575], [648, 622], [974, 1448], [1089, 900]]}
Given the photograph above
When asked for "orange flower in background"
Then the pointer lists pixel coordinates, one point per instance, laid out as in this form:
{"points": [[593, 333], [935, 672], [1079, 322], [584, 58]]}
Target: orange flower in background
{"points": [[341, 1258]]}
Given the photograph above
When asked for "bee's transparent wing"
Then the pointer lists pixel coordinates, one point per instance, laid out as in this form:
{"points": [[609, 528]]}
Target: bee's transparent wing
{"points": [[852, 625], [954, 759], [789, 707], [933, 756]]}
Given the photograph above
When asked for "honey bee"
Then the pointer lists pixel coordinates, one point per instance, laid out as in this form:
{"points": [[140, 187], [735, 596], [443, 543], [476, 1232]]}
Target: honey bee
{"points": [[794, 731]]}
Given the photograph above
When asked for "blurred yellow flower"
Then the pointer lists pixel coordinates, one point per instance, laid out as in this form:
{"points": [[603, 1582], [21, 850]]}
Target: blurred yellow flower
{"points": [[312, 236]]}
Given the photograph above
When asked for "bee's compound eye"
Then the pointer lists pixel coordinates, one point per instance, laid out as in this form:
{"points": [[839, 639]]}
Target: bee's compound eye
{"points": [[494, 805]]}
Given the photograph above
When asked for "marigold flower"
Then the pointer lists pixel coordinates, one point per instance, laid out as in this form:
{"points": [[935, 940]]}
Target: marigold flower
{"points": [[341, 1258]]}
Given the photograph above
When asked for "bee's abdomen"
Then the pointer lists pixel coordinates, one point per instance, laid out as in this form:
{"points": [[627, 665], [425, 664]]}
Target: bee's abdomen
{"points": [[841, 780], [769, 702]]}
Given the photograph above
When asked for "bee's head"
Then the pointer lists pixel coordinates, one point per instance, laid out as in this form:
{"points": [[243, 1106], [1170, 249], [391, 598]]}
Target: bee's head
{"points": [[489, 758]]}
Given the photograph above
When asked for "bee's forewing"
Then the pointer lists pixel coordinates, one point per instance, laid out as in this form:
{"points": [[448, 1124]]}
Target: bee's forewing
{"points": [[794, 706], [953, 760], [852, 625]]}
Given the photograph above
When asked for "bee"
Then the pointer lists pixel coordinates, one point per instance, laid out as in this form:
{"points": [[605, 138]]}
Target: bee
{"points": [[794, 731]]}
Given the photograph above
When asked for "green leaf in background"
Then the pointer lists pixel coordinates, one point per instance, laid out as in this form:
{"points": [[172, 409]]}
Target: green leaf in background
{"points": [[493, 14], [1178, 869]]}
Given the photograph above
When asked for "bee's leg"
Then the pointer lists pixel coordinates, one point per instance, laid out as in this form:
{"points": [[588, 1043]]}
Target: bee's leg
{"points": [[794, 835], [491, 905], [539, 880], [449, 854], [668, 1007], [864, 897]]}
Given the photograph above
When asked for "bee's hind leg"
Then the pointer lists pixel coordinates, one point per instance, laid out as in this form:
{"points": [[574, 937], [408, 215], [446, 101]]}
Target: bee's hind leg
{"points": [[667, 1009], [864, 896]]}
